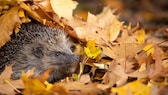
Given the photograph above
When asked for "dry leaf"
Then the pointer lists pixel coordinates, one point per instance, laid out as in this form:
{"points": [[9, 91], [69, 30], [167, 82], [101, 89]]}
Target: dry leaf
{"points": [[85, 78], [103, 27], [115, 75], [77, 88], [5, 88], [64, 8], [8, 22], [158, 67], [126, 38], [133, 88], [140, 36], [149, 49], [5, 75]]}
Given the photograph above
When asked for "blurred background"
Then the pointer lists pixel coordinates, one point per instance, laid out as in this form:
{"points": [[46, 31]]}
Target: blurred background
{"points": [[150, 14]]}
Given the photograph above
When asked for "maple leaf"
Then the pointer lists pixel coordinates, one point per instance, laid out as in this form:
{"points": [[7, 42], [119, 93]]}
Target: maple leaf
{"points": [[126, 38], [102, 27]]}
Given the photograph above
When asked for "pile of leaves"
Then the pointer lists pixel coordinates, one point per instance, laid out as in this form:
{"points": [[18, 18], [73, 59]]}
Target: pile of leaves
{"points": [[117, 59]]}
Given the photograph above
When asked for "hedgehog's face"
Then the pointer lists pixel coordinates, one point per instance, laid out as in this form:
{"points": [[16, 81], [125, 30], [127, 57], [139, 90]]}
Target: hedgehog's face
{"points": [[57, 57]]}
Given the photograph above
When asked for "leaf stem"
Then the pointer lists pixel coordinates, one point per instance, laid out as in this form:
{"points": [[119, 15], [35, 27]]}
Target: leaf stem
{"points": [[7, 82]]}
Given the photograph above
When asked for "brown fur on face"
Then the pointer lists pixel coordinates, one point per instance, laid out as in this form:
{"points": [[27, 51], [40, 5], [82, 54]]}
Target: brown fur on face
{"points": [[40, 47]]}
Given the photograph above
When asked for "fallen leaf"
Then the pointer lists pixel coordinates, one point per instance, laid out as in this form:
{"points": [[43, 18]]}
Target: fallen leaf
{"points": [[115, 75], [8, 22], [133, 88], [6, 88], [102, 27], [156, 71], [140, 36], [48, 85], [126, 37], [64, 8], [85, 78], [33, 86], [78, 88]]}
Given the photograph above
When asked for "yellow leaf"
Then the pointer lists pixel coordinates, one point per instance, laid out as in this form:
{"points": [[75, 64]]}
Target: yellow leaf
{"points": [[133, 88], [48, 85], [140, 36], [21, 13], [33, 86], [91, 50], [149, 49], [75, 76]]}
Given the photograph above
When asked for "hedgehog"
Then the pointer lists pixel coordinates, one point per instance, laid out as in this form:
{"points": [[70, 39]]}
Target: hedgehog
{"points": [[40, 47]]}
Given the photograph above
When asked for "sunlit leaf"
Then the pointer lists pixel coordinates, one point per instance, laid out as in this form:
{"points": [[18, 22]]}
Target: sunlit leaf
{"points": [[133, 88], [63, 8]]}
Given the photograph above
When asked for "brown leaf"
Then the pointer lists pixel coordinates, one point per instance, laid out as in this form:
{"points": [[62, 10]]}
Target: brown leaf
{"points": [[5, 75], [77, 88], [115, 75], [8, 22], [156, 71], [5, 88], [126, 38]]}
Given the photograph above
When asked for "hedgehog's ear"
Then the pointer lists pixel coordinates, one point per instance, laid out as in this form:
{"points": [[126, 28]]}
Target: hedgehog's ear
{"points": [[38, 51]]}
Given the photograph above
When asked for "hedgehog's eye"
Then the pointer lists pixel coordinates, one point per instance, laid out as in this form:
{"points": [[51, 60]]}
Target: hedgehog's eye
{"points": [[57, 53], [38, 52]]}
